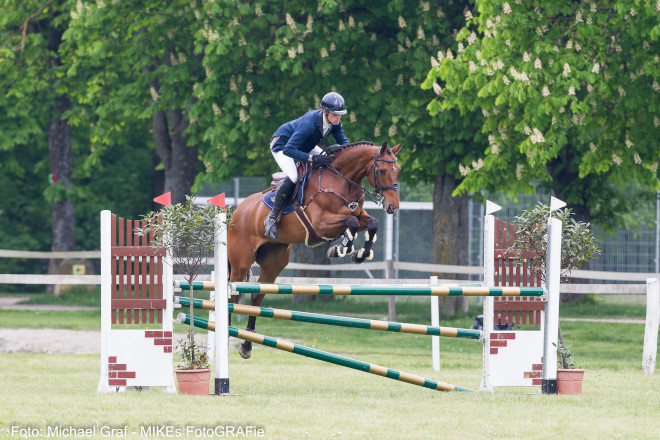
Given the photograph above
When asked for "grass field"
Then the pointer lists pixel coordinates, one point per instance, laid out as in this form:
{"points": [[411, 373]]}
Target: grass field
{"points": [[292, 397]]}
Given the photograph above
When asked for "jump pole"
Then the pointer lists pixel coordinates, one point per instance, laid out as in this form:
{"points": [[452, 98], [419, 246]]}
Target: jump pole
{"points": [[373, 290], [325, 356], [340, 321]]}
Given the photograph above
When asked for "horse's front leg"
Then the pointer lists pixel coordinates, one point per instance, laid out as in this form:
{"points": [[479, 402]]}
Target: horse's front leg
{"points": [[366, 253], [350, 234]]}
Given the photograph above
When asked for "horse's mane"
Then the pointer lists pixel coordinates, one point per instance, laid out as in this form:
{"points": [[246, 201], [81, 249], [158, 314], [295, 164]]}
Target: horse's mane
{"points": [[336, 147]]}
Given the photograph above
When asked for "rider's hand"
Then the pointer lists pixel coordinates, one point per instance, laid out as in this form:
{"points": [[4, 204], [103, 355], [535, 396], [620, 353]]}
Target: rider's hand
{"points": [[322, 160]]}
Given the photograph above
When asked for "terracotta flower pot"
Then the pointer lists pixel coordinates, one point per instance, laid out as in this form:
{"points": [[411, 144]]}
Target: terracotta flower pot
{"points": [[194, 382], [569, 381]]}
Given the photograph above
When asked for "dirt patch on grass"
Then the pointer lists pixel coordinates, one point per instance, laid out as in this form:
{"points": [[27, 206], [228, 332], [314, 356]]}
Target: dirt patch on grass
{"points": [[64, 341]]}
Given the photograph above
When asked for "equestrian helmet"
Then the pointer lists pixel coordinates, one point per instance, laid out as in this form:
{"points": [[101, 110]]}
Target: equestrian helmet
{"points": [[334, 103]]}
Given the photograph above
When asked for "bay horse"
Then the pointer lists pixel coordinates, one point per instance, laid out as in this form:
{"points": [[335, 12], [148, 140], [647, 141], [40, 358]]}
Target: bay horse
{"points": [[332, 203]]}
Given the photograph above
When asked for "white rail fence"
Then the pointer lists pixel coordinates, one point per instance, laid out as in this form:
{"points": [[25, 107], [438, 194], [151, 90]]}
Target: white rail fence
{"points": [[650, 287]]}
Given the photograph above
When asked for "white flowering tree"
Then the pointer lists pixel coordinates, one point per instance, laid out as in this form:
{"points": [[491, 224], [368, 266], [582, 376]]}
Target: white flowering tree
{"points": [[569, 92], [269, 62]]}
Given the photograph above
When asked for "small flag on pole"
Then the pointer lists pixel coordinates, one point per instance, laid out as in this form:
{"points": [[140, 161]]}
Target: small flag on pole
{"points": [[218, 200], [165, 199]]}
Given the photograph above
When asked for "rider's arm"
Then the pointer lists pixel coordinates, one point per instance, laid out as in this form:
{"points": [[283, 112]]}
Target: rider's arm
{"points": [[294, 148]]}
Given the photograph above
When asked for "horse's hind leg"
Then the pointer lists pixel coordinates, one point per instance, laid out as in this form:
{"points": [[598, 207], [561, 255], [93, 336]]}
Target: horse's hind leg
{"points": [[272, 258], [366, 253]]}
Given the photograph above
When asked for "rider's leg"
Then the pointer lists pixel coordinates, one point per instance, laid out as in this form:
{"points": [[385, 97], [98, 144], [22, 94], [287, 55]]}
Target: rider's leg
{"points": [[283, 194]]}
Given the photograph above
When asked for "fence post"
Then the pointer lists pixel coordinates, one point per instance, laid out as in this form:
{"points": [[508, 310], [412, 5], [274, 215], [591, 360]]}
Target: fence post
{"points": [[221, 307], [652, 323], [552, 284], [389, 271], [489, 281], [106, 298], [435, 321]]}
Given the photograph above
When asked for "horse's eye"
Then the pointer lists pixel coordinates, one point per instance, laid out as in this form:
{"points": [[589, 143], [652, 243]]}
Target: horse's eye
{"points": [[381, 171]]}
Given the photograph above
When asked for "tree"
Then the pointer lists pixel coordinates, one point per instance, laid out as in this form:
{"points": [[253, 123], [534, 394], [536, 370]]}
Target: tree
{"points": [[569, 95], [269, 62], [138, 63], [35, 106]]}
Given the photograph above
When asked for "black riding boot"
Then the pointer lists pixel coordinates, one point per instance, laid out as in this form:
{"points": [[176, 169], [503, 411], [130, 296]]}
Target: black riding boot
{"points": [[282, 195]]}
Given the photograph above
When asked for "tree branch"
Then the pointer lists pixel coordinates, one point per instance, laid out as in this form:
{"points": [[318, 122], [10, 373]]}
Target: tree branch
{"points": [[27, 20]]}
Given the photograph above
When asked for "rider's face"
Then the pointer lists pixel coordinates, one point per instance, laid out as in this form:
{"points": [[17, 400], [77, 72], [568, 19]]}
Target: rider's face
{"points": [[332, 118]]}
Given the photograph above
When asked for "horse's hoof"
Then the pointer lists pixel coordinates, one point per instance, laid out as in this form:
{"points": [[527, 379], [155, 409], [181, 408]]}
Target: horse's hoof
{"points": [[245, 354], [358, 257], [339, 251]]}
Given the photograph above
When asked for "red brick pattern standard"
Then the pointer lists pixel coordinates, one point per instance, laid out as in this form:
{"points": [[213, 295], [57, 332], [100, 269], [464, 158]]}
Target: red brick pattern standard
{"points": [[118, 373], [501, 340], [160, 338]]}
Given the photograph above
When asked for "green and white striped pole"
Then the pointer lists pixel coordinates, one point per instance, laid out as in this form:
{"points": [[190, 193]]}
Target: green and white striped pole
{"points": [[341, 321], [370, 289], [325, 356]]}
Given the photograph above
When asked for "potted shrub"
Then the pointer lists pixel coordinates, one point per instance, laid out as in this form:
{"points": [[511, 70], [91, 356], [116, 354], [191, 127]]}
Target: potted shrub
{"points": [[569, 377], [578, 245], [187, 231]]}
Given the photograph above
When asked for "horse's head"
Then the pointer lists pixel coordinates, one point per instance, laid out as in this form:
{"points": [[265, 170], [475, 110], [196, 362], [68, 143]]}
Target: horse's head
{"points": [[384, 174]]}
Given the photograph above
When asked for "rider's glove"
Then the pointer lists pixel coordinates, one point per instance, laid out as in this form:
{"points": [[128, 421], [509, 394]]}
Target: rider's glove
{"points": [[322, 160]]}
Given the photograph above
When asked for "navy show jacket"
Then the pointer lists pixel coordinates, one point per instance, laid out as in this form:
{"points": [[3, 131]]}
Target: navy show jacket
{"points": [[298, 137]]}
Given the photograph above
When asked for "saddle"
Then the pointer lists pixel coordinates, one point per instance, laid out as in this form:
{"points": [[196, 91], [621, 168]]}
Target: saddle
{"points": [[295, 203]]}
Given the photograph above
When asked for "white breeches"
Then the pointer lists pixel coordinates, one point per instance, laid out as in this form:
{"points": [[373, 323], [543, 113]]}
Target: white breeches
{"points": [[287, 164]]}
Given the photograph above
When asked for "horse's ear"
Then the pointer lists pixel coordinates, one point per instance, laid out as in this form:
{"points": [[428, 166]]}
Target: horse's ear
{"points": [[383, 149], [396, 149]]}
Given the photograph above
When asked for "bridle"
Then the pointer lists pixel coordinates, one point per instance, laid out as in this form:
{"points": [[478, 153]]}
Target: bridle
{"points": [[376, 196], [378, 187]]}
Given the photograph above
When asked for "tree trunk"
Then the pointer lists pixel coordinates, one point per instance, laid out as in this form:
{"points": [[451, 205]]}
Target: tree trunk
{"points": [[317, 255], [60, 153], [180, 161], [450, 236], [61, 167]]}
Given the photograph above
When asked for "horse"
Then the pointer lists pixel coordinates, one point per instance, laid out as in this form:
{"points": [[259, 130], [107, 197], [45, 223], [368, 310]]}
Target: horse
{"points": [[332, 206]]}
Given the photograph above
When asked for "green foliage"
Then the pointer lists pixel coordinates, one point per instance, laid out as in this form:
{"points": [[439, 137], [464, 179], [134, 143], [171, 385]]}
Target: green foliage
{"points": [[569, 91], [187, 231], [578, 245], [34, 80], [565, 357], [268, 62], [193, 356]]}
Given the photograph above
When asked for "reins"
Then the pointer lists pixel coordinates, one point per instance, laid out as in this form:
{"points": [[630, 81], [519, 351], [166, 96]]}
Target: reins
{"points": [[375, 196]]}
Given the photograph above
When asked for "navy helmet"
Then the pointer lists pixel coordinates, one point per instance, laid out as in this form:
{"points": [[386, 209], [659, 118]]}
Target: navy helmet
{"points": [[334, 103]]}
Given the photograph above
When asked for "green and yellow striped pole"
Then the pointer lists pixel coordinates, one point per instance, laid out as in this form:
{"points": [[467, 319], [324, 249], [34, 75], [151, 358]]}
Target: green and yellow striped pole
{"points": [[325, 356], [341, 321], [371, 289]]}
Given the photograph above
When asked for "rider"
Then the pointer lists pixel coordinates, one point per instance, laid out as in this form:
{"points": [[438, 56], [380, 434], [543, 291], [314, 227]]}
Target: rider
{"points": [[297, 141]]}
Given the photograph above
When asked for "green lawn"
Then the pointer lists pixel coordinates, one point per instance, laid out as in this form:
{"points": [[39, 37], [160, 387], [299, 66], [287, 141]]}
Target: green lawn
{"points": [[293, 397]]}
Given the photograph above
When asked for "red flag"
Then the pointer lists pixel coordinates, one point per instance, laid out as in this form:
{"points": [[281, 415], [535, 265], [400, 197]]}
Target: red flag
{"points": [[218, 200], [165, 199]]}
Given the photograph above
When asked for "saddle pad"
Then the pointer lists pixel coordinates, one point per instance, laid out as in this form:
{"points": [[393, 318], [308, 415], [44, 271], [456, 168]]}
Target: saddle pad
{"points": [[268, 198]]}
